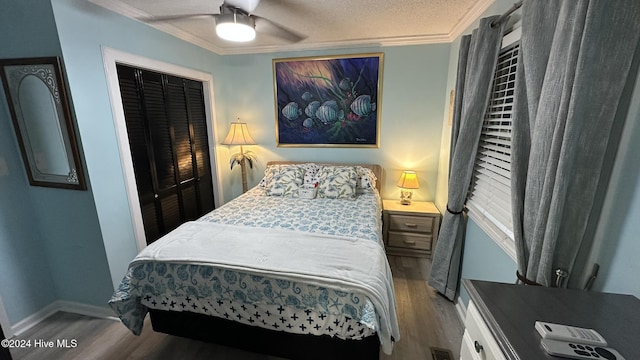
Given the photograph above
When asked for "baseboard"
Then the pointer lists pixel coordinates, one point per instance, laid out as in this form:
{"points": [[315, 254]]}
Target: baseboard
{"points": [[4, 321], [461, 310], [60, 305]]}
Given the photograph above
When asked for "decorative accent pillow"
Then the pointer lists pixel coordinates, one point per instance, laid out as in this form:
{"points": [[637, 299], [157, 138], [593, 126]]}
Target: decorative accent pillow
{"points": [[366, 180], [310, 171], [284, 181], [337, 182]]}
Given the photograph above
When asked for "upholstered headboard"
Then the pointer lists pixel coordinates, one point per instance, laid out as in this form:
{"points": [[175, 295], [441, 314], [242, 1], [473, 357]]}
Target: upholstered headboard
{"points": [[377, 169]]}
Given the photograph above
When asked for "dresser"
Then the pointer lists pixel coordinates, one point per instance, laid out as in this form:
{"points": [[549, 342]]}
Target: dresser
{"points": [[410, 230], [500, 319]]}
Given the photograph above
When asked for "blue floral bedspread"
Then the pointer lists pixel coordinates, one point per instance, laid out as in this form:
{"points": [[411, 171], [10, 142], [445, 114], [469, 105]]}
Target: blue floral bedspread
{"points": [[360, 218], [251, 299]]}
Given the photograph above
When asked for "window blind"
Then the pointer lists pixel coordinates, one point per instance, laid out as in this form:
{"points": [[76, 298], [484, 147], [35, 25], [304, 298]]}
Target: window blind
{"points": [[490, 190]]}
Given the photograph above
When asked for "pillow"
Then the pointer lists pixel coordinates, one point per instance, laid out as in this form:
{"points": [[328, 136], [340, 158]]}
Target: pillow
{"points": [[337, 182], [310, 174], [310, 171], [366, 180], [284, 181]]}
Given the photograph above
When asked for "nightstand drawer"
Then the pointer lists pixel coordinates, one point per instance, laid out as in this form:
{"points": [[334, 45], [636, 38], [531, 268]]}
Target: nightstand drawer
{"points": [[411, 223], [410, 240]]}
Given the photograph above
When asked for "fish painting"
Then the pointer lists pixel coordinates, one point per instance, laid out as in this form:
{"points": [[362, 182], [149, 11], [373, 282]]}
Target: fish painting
{"points": [[329, 100], [345, 84], [328, 112], [291, 111], [308, 123], [312, 108], [362, 105]]}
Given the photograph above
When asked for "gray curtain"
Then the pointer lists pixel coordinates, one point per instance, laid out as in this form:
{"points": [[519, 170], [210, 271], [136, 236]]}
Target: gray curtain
{"points": [[477, 62], [575, 59]]}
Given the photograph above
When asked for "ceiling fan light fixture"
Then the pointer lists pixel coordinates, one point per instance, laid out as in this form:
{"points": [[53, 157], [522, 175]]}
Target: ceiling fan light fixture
{"points": [[235, 27]]}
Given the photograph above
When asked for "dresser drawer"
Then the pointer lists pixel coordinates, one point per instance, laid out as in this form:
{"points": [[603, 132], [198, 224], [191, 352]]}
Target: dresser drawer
{"points": [[467, 350], [411, 223], [479, 337], [410, 240]]}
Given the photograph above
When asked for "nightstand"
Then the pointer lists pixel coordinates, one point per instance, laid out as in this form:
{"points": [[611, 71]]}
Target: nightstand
{"points": [[410, 230]]}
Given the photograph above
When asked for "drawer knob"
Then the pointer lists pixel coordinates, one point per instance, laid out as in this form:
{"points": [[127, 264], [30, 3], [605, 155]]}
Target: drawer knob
{"points": [[478, 347], [411, 225], [410, 242]]}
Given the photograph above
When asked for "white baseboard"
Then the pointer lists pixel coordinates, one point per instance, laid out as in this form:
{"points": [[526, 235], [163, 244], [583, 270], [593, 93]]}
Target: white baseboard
{"points": [[4, 321], [60, 305], [461, 309]]}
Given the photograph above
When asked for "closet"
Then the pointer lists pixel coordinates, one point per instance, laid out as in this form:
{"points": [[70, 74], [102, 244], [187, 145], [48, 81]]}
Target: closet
{"points": [[167, 130]]}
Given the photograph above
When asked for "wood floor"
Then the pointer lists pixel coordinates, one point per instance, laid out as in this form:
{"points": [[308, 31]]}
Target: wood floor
{"points": [[426, 320]]}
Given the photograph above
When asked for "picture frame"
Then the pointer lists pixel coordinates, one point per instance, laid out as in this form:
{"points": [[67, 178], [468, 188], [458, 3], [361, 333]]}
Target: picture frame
{"points": [[328, 101], [37, 98]]}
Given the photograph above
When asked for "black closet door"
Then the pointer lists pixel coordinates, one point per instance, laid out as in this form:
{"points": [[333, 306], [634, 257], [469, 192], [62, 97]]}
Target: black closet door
{"points": [[167, 130]]}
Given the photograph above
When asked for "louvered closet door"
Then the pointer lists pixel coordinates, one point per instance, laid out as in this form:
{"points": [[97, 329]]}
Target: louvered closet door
{"points": [[167, 131]]}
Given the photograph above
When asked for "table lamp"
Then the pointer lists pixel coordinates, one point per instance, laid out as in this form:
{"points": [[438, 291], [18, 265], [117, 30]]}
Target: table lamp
{"points": [[408, 181]]}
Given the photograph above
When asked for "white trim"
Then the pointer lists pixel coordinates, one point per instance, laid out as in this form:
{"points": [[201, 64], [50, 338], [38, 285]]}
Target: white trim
{"points": [[4, 321], [513, 36], [136, 14], [461, 310], [502, 239], [56, 306], [111, 57], [471, 16]]}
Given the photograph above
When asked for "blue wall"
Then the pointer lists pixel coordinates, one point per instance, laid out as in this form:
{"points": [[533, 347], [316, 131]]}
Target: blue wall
{"points": [[27, 277]]}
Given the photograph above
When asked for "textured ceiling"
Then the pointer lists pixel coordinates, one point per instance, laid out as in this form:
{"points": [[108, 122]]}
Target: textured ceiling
{"points": [[324, 23]]}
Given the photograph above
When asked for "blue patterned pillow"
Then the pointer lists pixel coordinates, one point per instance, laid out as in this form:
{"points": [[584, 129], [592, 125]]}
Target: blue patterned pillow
{"points": [[337, 182], [310, 171], [284, 181]]}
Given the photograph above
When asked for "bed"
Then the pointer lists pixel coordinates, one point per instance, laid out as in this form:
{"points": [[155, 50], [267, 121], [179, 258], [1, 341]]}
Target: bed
{"points": [[274, 272]]}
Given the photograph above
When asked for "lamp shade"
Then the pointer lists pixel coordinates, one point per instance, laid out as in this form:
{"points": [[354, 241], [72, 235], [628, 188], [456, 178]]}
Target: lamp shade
{"points": [[238, 135], [408, 180]]}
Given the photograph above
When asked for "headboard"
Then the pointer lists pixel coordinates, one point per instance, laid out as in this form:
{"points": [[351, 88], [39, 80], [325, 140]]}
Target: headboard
{"points": [[377, 169]]}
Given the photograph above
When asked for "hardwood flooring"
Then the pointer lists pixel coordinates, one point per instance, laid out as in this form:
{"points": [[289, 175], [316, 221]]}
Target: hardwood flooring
{"points": [[426, 320]]}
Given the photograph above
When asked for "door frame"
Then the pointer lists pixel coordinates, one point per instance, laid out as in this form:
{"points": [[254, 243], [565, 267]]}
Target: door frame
{"points": [[111, 57]]}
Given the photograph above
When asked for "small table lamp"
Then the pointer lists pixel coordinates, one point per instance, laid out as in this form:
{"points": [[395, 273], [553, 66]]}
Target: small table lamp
{"points": [[239, 135], [408, 181]]}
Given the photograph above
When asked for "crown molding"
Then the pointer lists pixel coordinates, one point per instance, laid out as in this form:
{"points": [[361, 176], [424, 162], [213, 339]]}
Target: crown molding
{"points": [[136, 14], [472, 15]]}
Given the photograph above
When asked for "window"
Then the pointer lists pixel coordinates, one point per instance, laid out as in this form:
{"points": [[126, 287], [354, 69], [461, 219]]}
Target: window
{"points": [[489, 201]]}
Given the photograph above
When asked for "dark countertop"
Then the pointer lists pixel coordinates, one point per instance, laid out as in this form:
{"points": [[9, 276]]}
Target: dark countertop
{"points": [[511, 311]]}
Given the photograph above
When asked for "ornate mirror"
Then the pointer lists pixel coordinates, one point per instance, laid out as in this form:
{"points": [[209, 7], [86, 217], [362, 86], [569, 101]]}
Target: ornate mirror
{"points": [[37, 99]]}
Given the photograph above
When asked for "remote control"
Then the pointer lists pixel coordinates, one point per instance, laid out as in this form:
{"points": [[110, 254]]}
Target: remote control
{"points": [[574, 350], [569, 333]]}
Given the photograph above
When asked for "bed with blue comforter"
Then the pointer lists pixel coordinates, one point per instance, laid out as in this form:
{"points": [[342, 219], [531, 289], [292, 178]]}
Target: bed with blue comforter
{"points": [[273, 260]]}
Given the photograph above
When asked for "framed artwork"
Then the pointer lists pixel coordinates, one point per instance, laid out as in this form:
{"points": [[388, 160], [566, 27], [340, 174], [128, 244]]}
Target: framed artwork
{"points": [[41, 115], [328, 101]]}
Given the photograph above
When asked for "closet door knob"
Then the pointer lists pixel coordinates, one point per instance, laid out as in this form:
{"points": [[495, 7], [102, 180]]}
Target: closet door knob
{"points": [[478, 347]]}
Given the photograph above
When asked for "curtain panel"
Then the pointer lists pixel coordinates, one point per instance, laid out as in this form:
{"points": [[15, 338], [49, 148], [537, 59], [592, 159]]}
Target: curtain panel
{"points": [[575, 60], [476, 65]]}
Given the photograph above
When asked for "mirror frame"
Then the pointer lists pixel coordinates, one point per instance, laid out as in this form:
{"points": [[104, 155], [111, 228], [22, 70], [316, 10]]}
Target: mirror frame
{"points": [[49, 71]]}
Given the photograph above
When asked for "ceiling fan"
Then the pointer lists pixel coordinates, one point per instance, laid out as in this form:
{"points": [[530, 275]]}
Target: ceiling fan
{"points": [[236, 22]]}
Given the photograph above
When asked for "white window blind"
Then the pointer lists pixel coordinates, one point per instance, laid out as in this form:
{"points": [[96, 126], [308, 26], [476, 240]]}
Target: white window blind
{"points": [[489, 201]]}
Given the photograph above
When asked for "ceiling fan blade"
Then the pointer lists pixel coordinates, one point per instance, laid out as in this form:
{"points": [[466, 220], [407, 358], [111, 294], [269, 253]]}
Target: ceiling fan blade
{"points": [[265, 26], [175, 17], [247, 5]]}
